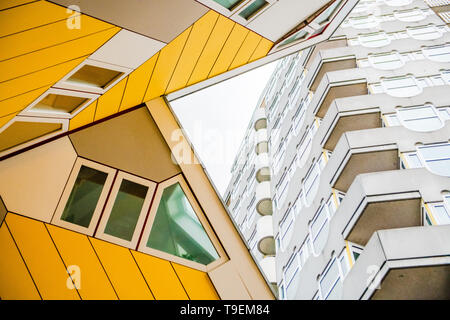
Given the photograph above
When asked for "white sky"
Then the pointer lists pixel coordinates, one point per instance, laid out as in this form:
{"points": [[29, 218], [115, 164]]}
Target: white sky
{"points": [[215, 120]]}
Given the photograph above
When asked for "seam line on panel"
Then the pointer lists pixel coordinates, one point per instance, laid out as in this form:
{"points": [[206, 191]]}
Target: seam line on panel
{"points": [[143, 277], [151, 76], [221, 50], [19, 5], [237, 52], [182, 285]]}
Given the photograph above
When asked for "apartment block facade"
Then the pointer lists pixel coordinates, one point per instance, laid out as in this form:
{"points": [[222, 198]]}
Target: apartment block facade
{"points": [[341, 187]]}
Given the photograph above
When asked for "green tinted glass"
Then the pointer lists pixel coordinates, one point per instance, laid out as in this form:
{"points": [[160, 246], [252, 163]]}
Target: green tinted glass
{"points": [[126, 210], [252, 8], [298, 35], [176, 229], [84, 196], [229, 4]]}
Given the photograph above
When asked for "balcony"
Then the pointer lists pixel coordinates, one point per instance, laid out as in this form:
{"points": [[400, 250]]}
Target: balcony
{"points": [[403, 264], [260, 119], [261, 141], [262, 167], [263, 199], [267, 265], [328, 66], [264, 231]]}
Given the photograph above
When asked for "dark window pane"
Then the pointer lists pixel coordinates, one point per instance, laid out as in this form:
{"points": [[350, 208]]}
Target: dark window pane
{"points": [[176, 229], [126, 209], [254, 7], [229, 4], [84, 196]]}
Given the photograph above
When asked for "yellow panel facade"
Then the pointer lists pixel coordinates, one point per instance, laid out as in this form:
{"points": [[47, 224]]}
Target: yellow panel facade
{"points": [[165, 65], [261, 50], [246, 50], [5, 4], [46, 36], [84, 117], [76, 250], [20, 102], [109, 102], [15, 280], [201, 30], [41, 258], [161, 277], [46, 77], [137, 84], [231, 47], [39, 60], [30, 16], [5, 119], [122, 270], [197, 283], [212, 49]]}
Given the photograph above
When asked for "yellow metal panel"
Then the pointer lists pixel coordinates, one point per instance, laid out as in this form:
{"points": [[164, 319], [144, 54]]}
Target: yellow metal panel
{"points": [[46, 36], [165, 65], [196, 283], [261, 50], [46, 77], [234, 42], [5, 4], [5, 119], [30, 16], [122, 270], [76, 250], [195, 44], [41, 257], [84, 117], [41, 59], [212, 49], [109, 102], [246, 50], [18, 103], [161, 277], [15, 280], [137, 83]]}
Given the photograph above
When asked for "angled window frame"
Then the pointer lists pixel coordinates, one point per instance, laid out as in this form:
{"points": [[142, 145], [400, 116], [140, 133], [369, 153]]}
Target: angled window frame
{"points": [[64, 83], [19, 118], [121, 176], [236, 15], [142, 246], [90, 230], [28, 111]]}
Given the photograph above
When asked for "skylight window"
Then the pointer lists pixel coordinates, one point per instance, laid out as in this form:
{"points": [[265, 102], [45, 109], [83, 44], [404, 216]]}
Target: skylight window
{"points": [[90, 75], [250, 10]]}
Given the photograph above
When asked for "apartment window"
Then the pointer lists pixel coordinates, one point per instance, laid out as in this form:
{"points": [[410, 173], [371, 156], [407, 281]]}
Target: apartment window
{"points": [[439, 53], [59, 103], [304, 148], [386, 61], [411, 15], [319, 230], [250, 10], [326, 15], [423, 118], [330, 283], [126, 209], [429, 32], [374, 40], [290, 275], [436, 158], [281, 294], [176, 228], [282, 189], [410, 160], [287, 227], [299, 35], [229, 4], [298, 204], [311, 183], [84, 196], [299, 117], [436, 213], [406, 86], [279, 157], [363, 22]]}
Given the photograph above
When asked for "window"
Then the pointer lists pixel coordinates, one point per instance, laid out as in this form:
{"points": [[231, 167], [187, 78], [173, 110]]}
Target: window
{"points": [[386, 61], [319, 228], [299, 117], [250, 10], [429, 32], [410, 160], [436, 213], [330, 282], [436, 158], [411, 15], [311, 183], [423, 118], [282, 190], [176, 229], [84, 197], [287, 227], [229, 4], [93, 76], [126, 209], [304, 148], [374, 40], [301, 34], [439, 53], [326, 15], [406, 86], [59, 103], [290, 275]]}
